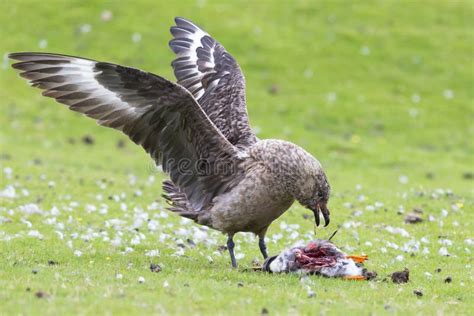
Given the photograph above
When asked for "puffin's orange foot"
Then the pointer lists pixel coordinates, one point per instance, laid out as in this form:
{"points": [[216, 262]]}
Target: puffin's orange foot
{"points": [[354, 277], [358, 259]]}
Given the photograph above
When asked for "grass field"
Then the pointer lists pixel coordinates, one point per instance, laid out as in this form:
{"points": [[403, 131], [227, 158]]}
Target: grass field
{"points": [[381, 92]]}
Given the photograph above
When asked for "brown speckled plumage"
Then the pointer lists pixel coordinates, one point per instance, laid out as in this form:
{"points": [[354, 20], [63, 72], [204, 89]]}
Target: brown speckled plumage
{"points": [[221, 175]]}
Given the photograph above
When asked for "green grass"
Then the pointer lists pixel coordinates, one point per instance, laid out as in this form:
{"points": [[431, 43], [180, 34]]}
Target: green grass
{"points": [[377, 90]]}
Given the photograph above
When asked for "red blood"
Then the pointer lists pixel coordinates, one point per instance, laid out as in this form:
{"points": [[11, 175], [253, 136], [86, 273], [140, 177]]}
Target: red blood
{"points": [[317, 255]]}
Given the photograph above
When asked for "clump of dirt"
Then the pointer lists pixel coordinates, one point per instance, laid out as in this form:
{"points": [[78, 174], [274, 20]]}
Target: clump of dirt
{"points": [[418, 293], [88, 140], [413, 218], [191, 243], [155, 268], [264, 311], [41, 294], [120, 143], [52, 263], [256, 263], [369, 275], [448, 280], [222, 248], [274, 89], [468, 175], [240, 284], [430, 175], [400, 277], [418, 210]]}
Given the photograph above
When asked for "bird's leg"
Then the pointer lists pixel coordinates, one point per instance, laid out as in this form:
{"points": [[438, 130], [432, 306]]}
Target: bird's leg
{"points": [[262, 246], [230, 247]]}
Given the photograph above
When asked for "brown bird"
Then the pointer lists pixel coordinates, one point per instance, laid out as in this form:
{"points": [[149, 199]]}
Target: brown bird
{"points": [[197, 129]]}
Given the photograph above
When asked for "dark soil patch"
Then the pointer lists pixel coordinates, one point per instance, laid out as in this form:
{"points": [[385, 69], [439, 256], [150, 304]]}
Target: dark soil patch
{"points": [[413, 218], [274, 89], [41, 294], [120, 143], [468, 175], [88, 140], [418, 293], [400, 277], [369, 275], [155, 268]]}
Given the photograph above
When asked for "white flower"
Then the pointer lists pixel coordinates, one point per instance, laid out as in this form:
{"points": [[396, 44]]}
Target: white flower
{"points": [[136, 37], [443, 251], [331, 97], [85, 28], [448, 94], [135, 240], [8, 193], [403, 179], [54, 211], [397, 230], [152, 253], [35, 233], [90, 208], [239, 256], [141, 279], [365, 51], [445, 242], [30, 209], [106, 15], [43, 44], [415, 98], [77, 253]]}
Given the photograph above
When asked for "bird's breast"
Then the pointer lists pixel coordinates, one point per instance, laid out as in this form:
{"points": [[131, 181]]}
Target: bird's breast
{"points": [[252, 205]]}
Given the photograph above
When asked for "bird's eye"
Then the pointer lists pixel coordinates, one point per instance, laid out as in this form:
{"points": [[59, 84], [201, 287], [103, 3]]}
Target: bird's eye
{"points": [[320, 196]]}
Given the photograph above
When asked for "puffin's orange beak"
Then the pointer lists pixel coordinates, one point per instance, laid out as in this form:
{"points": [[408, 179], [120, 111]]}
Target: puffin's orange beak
{"points": [[358, 258], [354, 277]]}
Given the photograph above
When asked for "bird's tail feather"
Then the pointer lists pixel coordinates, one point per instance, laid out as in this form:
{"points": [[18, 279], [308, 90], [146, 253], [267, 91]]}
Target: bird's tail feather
{"points": [[178, 201]]}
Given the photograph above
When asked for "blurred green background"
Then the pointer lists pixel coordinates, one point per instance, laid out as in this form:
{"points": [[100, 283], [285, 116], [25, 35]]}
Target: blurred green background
{"points": [[367, 88], [381, 92]]}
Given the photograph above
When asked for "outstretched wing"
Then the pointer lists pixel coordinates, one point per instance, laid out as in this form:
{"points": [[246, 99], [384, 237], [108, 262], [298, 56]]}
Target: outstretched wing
{"points": [[155, 113], [212, 75]]}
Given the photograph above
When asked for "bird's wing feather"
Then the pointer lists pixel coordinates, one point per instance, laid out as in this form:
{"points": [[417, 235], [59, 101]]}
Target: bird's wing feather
{"points": [[155, 113], [212, 75]]}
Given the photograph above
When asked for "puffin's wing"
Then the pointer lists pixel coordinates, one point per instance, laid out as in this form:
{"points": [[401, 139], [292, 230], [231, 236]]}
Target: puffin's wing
{"points": [[162, 117], [212, 75]]}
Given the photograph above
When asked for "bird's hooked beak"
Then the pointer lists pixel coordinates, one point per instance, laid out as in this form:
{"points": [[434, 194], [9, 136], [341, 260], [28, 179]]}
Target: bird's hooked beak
{"points": [[321, 208]]}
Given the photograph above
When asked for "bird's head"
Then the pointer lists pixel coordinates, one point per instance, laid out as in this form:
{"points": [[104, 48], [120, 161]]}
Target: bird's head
{"points": [[314, 195]]}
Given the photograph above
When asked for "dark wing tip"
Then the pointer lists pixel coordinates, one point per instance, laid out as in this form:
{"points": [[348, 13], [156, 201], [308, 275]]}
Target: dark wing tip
{"points": [[178, 20], [182, 22], [23, 55], [20, 55]]}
